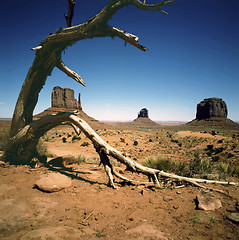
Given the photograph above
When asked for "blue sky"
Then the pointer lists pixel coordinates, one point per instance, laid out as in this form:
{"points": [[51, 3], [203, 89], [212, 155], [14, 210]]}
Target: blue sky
{"points": [[193, 54]]}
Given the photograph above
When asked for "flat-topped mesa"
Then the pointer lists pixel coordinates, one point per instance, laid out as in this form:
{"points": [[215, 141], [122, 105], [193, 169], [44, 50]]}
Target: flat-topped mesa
{"points": [[211, 108], [64, 98], [143, 113]]}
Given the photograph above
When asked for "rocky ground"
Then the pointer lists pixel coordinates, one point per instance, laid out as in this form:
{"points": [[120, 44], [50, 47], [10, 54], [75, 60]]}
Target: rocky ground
{"points": [[88, 209]]}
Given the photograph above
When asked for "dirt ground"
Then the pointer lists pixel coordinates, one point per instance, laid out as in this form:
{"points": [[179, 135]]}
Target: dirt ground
{"points": [[89, 209]]}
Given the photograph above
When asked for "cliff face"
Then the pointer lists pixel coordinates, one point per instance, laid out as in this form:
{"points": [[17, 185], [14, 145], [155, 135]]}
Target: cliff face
{"points": [[64, 98], [212, 112], [211, 108]]}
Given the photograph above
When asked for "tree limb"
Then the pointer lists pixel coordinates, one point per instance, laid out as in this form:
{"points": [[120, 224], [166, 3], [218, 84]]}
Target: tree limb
{"points": [[69, 72], [39, 127], [130, 38], [142, 6], [71, 5]]}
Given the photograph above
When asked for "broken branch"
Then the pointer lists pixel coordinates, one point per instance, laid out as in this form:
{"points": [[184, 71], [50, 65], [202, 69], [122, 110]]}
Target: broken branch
{"points": [[71, 5], [70, 73], [127, 37]]}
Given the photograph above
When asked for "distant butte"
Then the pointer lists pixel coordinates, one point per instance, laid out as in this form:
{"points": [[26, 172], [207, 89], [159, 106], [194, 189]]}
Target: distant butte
{"points": [[212, 112], [143, 119], [63, 100]]}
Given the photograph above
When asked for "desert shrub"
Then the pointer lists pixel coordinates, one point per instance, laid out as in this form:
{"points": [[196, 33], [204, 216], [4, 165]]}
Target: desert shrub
{"points": [[64, 140], [209, 147], [135, 143], [199, 166], [93, 160], [122, 140], [162, 162], [158, 162], [80, 159], [75, 138], [219, 150], [230, 155], [4, 136], [85, 144], [174, 140], [235, 171], [213, 133], [223, 168], [215, 158], [150, 140], [220, 141]]}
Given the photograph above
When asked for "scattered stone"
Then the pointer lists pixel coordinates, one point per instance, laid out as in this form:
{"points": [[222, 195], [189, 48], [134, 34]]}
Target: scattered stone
{"points": [[167, 198], [207, 203], [53, 182], [234, 217]]}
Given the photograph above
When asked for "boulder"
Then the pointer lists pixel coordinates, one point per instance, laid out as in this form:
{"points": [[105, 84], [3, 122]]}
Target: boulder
{"points": [[53, 182], [143, 113], [207, 202], [211, 108], [64, 98]]}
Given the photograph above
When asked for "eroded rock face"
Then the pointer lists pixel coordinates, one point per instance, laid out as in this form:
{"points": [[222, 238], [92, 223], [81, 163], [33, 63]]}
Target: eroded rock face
{"points": [[143, 113], [211, 107], [64, 98]]}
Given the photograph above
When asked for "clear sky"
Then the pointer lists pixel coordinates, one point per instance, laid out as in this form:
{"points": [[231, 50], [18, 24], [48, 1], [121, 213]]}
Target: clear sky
{"points": [[193, 54]]}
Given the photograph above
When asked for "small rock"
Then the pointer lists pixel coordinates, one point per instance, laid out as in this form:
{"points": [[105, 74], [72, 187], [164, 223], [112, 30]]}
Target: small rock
{"points": [[207, 203], [234, 217], [3, 164], [167, 198], [53, 182]]}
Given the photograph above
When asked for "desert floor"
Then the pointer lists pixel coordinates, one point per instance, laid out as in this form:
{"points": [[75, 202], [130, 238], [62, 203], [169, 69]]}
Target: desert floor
{"points": [[89, 209]]}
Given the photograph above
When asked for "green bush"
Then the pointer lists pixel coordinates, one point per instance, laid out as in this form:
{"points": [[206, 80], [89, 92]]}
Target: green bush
{"points": [[74, 138], [162, 162], [199, 166], [135, 143], [80, 159], [85, 144]]}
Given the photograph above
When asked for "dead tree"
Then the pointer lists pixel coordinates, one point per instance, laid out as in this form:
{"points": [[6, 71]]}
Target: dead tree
{"points": [[25, 133]]}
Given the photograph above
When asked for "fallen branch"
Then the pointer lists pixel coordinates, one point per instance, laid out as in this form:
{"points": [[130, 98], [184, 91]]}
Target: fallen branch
{"points": [[105, 151]]}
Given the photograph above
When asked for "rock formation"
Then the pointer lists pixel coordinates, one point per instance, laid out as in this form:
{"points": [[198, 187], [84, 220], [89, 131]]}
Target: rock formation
{"points": [[143, 119], [212, 112], [143, 113], [64, 98], [211, 107]]}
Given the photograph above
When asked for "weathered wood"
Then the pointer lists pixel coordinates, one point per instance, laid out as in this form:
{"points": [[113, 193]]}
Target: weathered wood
{"points": [[36, 129], [71, 5]]}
